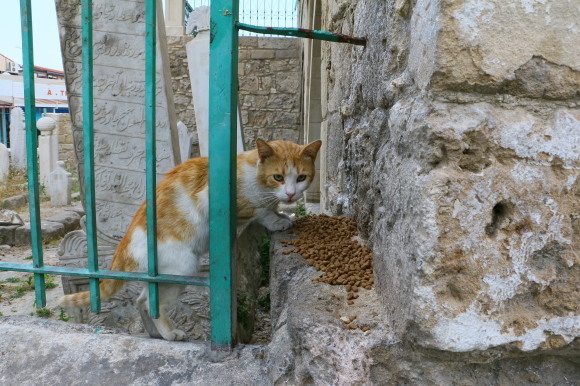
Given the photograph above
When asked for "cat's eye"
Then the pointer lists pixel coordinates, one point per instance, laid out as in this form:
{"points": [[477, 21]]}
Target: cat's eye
{"points": [[278, 177], [301, 178]]}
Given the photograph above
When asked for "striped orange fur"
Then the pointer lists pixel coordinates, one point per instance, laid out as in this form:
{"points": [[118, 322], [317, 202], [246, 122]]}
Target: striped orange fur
{"points": [[273, 172]]}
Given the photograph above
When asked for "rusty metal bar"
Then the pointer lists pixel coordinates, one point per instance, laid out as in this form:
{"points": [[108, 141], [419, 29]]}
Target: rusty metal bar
{"points": [[304, 33]]}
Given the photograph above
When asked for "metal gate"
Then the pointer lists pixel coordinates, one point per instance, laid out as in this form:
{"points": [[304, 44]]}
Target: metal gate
{"points": [[222, 163]]}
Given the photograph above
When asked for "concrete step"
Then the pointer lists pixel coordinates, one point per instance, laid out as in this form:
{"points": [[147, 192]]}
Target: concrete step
{"points": [[36, 351]]}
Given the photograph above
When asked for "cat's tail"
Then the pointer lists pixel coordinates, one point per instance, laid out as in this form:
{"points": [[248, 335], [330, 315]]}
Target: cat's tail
{"points": [[108, 287]]}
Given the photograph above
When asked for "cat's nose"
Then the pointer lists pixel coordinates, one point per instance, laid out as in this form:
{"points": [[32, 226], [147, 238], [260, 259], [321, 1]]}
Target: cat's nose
{"points": [[290, 195]]}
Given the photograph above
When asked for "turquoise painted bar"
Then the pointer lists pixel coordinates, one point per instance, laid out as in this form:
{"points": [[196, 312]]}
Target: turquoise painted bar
{"points": [[150, 149], [105, 274], [223, 99], [31, 150], [89, 151]]}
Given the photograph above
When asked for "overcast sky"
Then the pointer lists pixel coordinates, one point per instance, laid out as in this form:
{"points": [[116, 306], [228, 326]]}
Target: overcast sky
{"points": [[44, 27]]}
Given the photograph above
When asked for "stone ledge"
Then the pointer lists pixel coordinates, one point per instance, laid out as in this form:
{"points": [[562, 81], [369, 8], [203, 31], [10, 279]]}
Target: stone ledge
{"points": [[310, 344], [54, 352]]}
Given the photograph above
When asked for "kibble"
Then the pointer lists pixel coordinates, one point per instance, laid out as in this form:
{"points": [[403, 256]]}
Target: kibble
{"points": [[328, 244]]}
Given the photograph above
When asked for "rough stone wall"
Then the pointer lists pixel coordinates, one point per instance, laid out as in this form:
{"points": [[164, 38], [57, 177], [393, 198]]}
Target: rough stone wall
{"points": [[270, 78], [269, 87], [453, 139]]}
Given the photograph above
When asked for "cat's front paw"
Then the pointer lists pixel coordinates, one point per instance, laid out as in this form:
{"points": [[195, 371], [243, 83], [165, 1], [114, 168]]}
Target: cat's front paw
{"points": [[281, 224], [175, 335]]}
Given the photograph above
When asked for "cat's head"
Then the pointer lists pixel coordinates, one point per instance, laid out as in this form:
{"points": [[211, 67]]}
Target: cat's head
{"points": [[285, 168]]}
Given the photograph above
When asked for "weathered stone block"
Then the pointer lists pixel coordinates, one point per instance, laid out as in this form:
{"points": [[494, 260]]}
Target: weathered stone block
{"points": [[249, 83], [266, 82], [468, 199], [279, 43], [287, 83], [70, 220], [286, 54], [291, 65], [262, 54], [50, 231], [7, 234], [249, 41], [482, 46], [15, 202]]}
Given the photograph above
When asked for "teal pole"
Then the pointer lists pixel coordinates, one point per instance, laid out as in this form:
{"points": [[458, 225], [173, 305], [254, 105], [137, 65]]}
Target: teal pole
{"points": [[150, 103], [89, 151], [223, 99], [4, 127], [304, 33], [31, 150]]}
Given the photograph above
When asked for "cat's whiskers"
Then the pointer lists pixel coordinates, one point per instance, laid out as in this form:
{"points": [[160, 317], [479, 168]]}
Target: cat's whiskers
{"points": [[267, 200]]}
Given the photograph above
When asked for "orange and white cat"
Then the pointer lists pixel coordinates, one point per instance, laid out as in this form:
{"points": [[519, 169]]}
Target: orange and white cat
{"points": [[273, 172]]}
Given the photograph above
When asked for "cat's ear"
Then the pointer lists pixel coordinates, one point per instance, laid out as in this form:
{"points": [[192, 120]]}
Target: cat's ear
{"points": [[264, 150], [311, 150]]}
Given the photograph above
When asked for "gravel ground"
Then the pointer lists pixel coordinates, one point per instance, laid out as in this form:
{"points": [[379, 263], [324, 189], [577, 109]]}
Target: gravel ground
{"points": [[16, 292], [16, 288]]}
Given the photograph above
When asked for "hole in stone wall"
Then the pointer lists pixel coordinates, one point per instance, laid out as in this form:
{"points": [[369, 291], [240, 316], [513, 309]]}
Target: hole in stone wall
{"points": [[500, 215]]}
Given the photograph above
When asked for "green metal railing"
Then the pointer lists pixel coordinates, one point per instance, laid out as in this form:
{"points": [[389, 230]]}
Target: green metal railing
{"points": [[222, 164]]}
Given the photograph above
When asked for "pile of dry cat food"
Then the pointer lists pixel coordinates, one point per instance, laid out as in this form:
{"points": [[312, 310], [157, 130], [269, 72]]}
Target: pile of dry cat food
{"points": [[328, 243]]}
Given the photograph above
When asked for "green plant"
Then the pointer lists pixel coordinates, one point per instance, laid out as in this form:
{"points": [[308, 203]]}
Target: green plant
{"points": [[28, 258], [20, 291], [42, 190], [43, 312], [301, 210], [62, 315], [264, 303], [1, 314], [264, 250], [13, 280], [245, 308], [50, 282]]}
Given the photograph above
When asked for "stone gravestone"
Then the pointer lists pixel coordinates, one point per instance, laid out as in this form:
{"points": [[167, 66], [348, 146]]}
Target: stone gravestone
{"points": [[60, 186], [4, 162], [18, 139], [119, 125], [198, 61], [47, 149], [185, 141]]}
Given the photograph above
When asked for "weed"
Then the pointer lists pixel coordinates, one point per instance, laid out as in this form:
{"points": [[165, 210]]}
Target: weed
{"points": [[245, 308], [265, 261], [62, 316], [43, 312], [264, 303], [50, 282], [13, 280], [301, 210], [20, 291], [28, 258], [1, 314]]}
